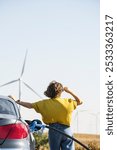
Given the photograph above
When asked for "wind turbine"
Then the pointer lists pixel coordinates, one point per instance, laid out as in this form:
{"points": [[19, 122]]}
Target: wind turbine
{"points": [[21, 81], [77, 117], [96, 120]]}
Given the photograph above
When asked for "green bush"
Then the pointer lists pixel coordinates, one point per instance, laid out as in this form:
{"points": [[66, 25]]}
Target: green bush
{"points": [[41, 141]]}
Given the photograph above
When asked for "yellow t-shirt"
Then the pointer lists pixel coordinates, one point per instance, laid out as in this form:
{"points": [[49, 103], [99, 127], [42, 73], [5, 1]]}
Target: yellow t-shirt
{"points": [[57, 110]]}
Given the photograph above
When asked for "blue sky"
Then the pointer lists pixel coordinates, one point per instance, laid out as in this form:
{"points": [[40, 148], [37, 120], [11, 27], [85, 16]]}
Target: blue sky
{"points": [[62, 38]]}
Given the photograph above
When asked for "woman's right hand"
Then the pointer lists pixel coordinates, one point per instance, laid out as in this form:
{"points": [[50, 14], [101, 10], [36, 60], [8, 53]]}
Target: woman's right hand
{"points": [[66, 89]]}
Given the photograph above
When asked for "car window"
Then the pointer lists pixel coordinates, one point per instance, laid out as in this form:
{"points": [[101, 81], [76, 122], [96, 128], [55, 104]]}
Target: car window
{"points": [[7, 107]]}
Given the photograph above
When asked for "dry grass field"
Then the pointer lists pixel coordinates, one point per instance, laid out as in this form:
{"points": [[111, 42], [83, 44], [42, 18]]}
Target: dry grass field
{"points": [[92, 141]]}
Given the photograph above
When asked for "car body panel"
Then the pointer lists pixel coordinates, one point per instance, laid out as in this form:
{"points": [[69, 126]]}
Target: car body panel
{"points": [[22, 143], [11, 115]]}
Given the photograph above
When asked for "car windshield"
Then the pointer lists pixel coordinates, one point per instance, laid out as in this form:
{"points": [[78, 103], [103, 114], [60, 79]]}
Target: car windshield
{"points": [[7, 107]]}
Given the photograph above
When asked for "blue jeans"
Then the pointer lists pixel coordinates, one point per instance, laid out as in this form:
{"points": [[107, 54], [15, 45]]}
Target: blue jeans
{"points": [[58, 141]]}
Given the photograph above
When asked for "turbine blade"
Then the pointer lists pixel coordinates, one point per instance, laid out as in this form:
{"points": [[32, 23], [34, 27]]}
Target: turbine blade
{"points": [[24, 64], [9, 83], [32, 89]]}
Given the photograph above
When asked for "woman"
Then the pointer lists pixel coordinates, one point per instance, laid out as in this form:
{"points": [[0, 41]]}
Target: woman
{"points": [[57, 113]]}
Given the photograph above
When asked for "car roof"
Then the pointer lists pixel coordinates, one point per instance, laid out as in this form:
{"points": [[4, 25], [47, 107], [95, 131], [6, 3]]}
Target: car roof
{"points": [[5, 97], [10, 99]]}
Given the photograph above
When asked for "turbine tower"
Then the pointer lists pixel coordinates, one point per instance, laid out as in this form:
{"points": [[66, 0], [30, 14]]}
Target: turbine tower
{"points": [[21, 81]]}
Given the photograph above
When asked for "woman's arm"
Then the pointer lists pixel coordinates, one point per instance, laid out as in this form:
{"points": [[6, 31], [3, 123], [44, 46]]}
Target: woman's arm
{"points": [[79, 102], [24, 104]]}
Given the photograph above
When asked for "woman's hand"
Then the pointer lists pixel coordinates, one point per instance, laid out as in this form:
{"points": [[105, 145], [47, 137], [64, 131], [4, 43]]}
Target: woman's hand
{"points": [[76, 97], [12, 97], [66, 89]]}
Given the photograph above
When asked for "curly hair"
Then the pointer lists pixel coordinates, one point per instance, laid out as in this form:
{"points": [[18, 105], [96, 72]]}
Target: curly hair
{"points": [[54, 89]]}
